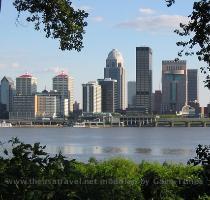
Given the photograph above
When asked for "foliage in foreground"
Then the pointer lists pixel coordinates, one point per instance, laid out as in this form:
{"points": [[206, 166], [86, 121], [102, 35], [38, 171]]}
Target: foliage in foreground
{"points": [[28, 172], [59, 19]]}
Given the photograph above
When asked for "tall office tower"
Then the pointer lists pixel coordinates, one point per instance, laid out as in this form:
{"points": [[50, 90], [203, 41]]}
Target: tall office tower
{"points": [[7, 92], [109, 94], [131, 94], [91, 97], [174, 86], [144, 79], [76, 106], [116, 71], [64, 84], [192, 78], [26, 85], [157, 99]]}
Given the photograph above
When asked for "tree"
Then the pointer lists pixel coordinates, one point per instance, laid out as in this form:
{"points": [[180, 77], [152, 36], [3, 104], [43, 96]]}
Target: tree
{"points": [[197, 34], [58, 18], [203, 158]]}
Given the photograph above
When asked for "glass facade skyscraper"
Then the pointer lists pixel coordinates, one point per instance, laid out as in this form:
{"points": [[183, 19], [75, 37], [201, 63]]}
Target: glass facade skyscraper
{"points": [[192, 79], [7, 92], [144, 79], [174, 86]]}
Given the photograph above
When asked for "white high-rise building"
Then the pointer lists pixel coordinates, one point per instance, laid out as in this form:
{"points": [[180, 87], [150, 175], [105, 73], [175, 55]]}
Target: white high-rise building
{"points": [[64, 84], [92, 97], [26, 85], [116, 71]]}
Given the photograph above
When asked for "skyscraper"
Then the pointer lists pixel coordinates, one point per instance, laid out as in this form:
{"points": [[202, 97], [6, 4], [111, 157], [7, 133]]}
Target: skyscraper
{"points": [[174, 86], [109, 94], [116, 71], [157, 102], [91, 97], [192, 78], [7, 92], [26, 85], [144, 79], [63, 83], [131, 94]]}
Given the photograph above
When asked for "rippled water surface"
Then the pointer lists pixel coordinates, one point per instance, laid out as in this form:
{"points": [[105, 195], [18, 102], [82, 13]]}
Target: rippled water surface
{"points": [[153, 144]]}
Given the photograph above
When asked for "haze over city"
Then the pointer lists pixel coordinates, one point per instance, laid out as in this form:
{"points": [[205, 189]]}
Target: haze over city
{"points": [[150, 23]]}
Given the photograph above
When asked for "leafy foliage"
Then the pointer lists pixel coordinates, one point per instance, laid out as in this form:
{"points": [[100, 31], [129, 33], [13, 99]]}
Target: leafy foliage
{"points": [[170, 2], [58, 19], [197, 34], [203, 158]]}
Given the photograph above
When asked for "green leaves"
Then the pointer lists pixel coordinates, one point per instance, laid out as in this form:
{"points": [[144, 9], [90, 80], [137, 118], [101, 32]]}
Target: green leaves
{"points": [[197, 34], [58, 19]]}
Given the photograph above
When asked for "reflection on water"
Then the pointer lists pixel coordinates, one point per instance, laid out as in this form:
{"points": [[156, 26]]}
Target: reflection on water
{"points": [[150, 144], [178, 151], [143, 150], [97, 150]]}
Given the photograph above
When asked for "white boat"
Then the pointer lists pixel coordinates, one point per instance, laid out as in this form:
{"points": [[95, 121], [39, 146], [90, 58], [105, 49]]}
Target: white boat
{"points": [[5, 125], [79, 125]]}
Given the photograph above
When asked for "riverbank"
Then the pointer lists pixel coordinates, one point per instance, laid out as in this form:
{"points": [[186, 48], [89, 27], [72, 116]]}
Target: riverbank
{"points": [[37, 126]]}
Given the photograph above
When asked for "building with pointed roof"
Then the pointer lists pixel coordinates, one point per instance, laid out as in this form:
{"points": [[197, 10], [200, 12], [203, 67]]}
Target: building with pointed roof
{"points": [[115, 70], [7, 92]]}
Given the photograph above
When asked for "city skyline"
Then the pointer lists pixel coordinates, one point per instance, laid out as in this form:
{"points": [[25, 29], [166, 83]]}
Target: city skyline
{"points": [[106, 30]]}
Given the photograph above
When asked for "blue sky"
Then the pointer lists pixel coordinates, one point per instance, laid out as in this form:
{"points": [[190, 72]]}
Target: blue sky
{"points": [[120, 24]]}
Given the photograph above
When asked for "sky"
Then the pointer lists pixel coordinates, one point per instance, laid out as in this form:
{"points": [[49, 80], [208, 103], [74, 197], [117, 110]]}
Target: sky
{"points": [[119, 24]]}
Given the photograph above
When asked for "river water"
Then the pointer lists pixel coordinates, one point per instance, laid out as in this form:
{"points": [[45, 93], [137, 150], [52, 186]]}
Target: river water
{"points": [[151, 144]]}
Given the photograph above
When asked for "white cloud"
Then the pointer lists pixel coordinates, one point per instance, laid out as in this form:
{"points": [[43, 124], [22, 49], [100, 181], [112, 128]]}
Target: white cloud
{"points": [[55, 70], [154, 23], [84, 7], [147, 11], [97, 18], [15, 65], [2, 66]]}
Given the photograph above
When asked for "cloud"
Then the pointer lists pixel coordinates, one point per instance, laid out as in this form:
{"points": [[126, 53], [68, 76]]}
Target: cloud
{"points": [[147, 11], [154, 23], [86, 8], [55, 70], [2, 66], [15, 65], [97, 18]]}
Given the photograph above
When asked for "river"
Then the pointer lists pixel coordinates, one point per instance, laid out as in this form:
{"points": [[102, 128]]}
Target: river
{"points": [[151, 144]]}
